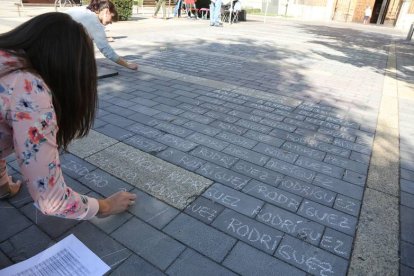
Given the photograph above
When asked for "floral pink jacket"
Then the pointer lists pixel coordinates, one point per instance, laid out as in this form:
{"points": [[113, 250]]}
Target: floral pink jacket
{"points": [[28, 127]]}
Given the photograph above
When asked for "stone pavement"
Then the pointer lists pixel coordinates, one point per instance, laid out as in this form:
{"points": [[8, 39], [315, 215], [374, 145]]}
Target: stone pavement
{"points": [[252, 148]]}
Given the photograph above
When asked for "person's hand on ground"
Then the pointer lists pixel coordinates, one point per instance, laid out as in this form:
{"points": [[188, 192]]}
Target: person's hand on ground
{"points": [[115, 204], [110, 39], [132, 66]]}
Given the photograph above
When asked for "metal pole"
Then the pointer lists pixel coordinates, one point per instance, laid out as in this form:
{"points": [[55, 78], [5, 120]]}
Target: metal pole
{"points": [[267, 6], [231, 11]]}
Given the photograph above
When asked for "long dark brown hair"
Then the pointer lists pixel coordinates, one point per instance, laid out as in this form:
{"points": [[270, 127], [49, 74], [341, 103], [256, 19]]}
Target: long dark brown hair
{"points": [[98, 5], [59, 50]]}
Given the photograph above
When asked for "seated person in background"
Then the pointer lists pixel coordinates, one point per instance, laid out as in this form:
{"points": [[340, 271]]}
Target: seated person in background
{"points": [[48, 97], [92, 18], [190, 7]]}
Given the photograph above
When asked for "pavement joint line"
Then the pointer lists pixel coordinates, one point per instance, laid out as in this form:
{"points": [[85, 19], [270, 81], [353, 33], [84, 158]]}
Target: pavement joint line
{"points": [[292, 102], [376, 244]]}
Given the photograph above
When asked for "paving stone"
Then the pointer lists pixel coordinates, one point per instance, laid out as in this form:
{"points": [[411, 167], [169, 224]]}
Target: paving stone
{"points": [[208, 130], [103, 183], [407, 224], [347, 205], [256, 262], [275, 152], [53, 226], [117, 120], [337, 243], [323, 123], [308, 191], [187, 98], [166, 101], [246, 116], [23, 197], [91, 144], [251, 106], [309, 258], [290, 223], [279, 125], [112, 253], [407, 174], [307, 124], [268, 115], [4, 261], [273, 195], [144, 130], [134, 264], [233, 199], [406, 271], [236, 139], [249, 231], [258, 172], [328, 216], [122, 102], [191, 263], [264, 138], [338, 134], [210, 100], [243, 108], [74, 166], [197, 117], [208, 141], [218, 108], [152, 175], [16, 222], [314, 135], [290, 170], [145, 144], [114, 132], [320, 167], [303, 150], [352, 146], [254, 126], [145, 102], [181, 159], [214, 156], [174, 129], [144, 119], [406, 199], [204, 209], [343, 122], [25, 244], [346, 163], [224, 176], [355, 178], [201, 237], [168, 109], [245, 154], [229, 127], [176, 142], [152, 210], [76, 185], [339, 186], [100, 113], [407, 254], [164, 116], [122, 111], [407, 186]]}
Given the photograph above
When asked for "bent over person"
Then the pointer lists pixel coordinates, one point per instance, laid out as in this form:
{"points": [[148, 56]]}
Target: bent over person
{"points": [[48, 97], [93, 18]]}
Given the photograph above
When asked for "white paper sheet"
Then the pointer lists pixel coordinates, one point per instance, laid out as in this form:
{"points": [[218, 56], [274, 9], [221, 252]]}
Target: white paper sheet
{"points": [[67, 257]]}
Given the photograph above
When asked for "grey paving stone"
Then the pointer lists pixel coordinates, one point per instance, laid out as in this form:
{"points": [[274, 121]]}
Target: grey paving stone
{"points": [[343, 122], [314, 135], [116, 120], [229, 127], [25, 244], [188, 98], [210, 100], [308, 191], [245, 108], [355, 178], [16, 222], [208, 130], [337, 243], [246, 116], [23, 197], [152, 210], [407, 186], [176, 142], [303, 150], [256, 262], [347, 205], [100, 113], [144, 130], [208, 241], [406, 271], [409, 165], [166, 101], [258, 172], [250, 106], [143, 101], [328, 216], [310, 258], [339, 186], [208, 141], [145, 144], [233, 199], [122, 111], [197, 117], [53, 226], [76, 185], [254, 126], [245, 154], [275, 152], [174, 129], [407, 174], [338, 134], [164, 116], [204, 209], [112, 253], [168, 109], [249, 231], [407, 254], [181, 159], [74, 166], [214, 156], [268, 115], [290, 170], [124, 101], [191, 263], [90, 144], [103, 183], [273, 195], [352, 146], [151, 244], [407, 199], [290, 223], [4, 261], [346, 163], [136, 264], [114, 132], [236, 139], [407, 224], [144, 119], [320, 167], [264, 138], [279, 125], [152, 175], [323, 123], [218, 108], [193, 108], [224, 176], [307, 124]]}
